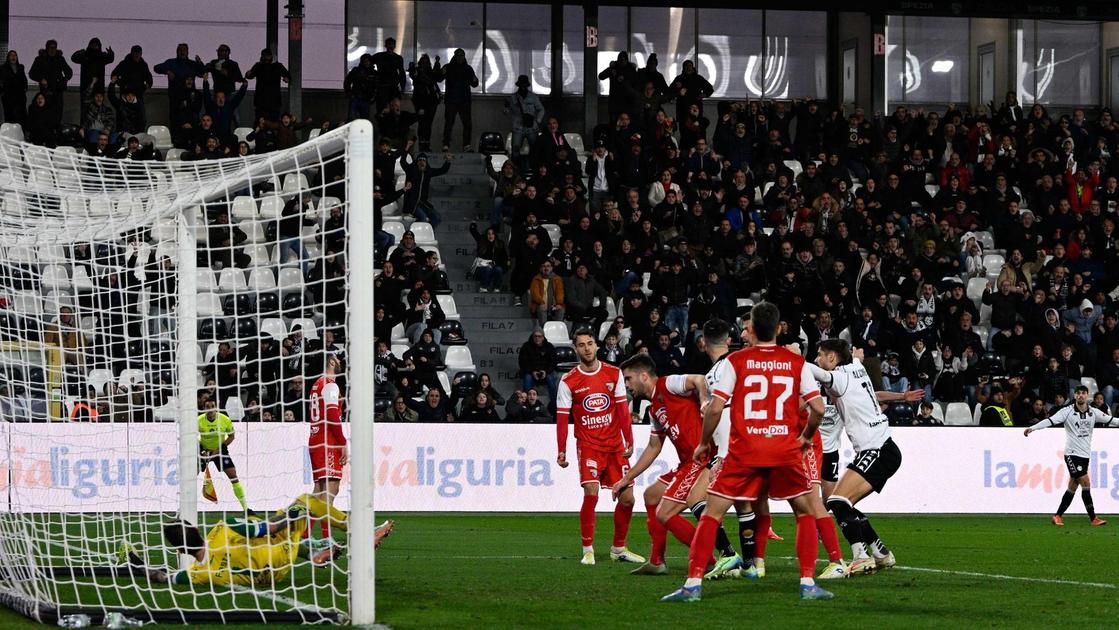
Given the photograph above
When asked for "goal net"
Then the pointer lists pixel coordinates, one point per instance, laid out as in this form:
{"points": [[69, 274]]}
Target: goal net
{"points": [[137, 296]]}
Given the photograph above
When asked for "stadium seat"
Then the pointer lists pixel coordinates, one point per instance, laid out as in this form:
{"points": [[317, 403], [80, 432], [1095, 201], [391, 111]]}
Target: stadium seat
{"points": [[932, 189], [232, 280], [97, 379], [795, 167], [458, 359], [938, 412], [396, 228], [130, 378], [1091, 384], [259, 256], [245, 328], [975, 289], [453, 334], [212, 328], [242, 134], [425, 235], [12, 131], [291, 280], [271, 207], [307, 326], [983, 333], [206, 282], [55, 277], [254, 230], [261, 279], [565, 358], [274, 327], [267, 304], [398, 349], [398, 335], [976, 414], [211, 352], [244, 207], [986, 239], [444, 381], [450, 309], [164, 230], [80, 281], [27, 303], [161, 137], [314, 134], [209, 305], [556, 333], [293, 183], [173, 155], [575, 141], [958, 414], [555, 234], [993, 263]]}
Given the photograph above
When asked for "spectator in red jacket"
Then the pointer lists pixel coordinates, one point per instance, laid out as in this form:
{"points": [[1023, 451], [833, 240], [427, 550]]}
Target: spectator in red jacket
{"points": [[1080, 185]]}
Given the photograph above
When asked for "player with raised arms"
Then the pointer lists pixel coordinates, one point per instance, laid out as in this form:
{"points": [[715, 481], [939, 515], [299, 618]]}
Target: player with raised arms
{"points": [[766, 386], [675, 402], [877, 457], [326, 443], [1079, 420], [592, 396]]}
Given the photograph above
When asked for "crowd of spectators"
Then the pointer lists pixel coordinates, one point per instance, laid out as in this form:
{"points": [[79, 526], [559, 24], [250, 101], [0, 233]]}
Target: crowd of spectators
{"points": [[970, 253]]}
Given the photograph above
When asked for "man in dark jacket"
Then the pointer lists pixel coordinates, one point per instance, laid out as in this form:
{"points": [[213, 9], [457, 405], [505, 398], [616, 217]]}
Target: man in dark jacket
{"points": [[92, 60], [52, 73], [181, 71], [268, 73], [361, 87], [390, 74], [460, 78], [537, 363], [225, 72], [132, 74], [221, 107], [690, 89], [417, 199], [130, 110]]}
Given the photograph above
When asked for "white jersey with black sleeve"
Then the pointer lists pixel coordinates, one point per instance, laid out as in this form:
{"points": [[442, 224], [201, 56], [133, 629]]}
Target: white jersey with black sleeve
{"points": [[722, 431], [852, 393], [1078, 427]]}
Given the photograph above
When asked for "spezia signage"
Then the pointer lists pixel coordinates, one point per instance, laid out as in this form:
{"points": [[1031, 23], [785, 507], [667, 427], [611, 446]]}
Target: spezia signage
{"points": [[500, 468]]}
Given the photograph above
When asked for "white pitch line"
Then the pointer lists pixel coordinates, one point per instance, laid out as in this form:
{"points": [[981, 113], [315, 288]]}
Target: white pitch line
{"points": [[992, 576]]}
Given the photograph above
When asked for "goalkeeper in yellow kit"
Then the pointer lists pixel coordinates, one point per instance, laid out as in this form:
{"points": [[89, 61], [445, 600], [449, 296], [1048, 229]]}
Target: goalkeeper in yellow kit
{"points": [[249, 552]]}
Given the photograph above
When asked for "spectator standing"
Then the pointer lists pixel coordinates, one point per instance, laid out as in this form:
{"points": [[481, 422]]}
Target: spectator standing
{"points": [[460, 79], [180, 71], [546, 298], [92, 61], [133, 76], [225, 72], [268, 74], [13, 89], [390, 74], [425, 95], [621, 74], [526, 112], [222, 106], [690, 89], [360, 87], [129, 109], [52, 73]]}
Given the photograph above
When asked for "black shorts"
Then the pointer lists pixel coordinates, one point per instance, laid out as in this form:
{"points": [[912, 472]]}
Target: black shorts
{"points": [[221, 459], [1077, 466], [831, 467], [877, 465]]}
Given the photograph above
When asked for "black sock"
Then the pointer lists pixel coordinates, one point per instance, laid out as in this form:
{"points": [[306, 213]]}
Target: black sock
{"points": [[1086, 495], [722, 542], [1066, 501], [871, 537], [746, 521], [848, 521]]}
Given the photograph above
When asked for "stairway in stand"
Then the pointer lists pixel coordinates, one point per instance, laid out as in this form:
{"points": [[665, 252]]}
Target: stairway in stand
{"points": [[494, 328]]}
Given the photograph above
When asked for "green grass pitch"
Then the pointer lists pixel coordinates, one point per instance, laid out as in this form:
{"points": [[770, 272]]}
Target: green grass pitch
{"points": [[500, 571]]}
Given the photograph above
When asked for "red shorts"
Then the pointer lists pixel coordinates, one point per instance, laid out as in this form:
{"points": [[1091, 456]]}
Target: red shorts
{"points": [[681, 481], [813, 463], [740, 483], [601, 467], [326, 461]]}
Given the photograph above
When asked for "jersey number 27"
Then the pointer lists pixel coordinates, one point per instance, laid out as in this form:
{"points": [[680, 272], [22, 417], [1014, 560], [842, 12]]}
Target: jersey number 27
{"points": [[758, 392]]}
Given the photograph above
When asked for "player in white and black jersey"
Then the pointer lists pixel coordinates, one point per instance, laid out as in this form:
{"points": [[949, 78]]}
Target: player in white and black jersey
{"points": [[877, 458], [1079, 420], [831, 433]]}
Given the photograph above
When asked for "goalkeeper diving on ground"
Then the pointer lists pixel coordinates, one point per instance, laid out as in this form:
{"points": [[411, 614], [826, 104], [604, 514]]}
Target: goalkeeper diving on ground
{"points": [[248, 551]]}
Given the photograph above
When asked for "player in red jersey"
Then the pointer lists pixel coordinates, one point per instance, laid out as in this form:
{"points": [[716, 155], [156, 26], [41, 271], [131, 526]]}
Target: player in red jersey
{"points": [[675, 404], [326, 444], [765, 385], [593, 397]]}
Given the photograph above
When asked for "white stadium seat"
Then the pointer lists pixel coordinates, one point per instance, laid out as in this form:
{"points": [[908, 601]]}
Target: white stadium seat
{"points": [[274, 327], [450, 309], [209, 305], [244, 207], [556, 333], [97, 379], [271, 207], [425, 235], [458, 359], [232, 281], [206, 281], [958, 414], [161, 137], [262, 279]]}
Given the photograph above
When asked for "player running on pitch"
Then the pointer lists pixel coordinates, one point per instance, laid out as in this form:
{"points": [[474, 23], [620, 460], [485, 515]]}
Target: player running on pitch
{"points": [[675, 404], [326, 443], [593, 397], [1079, 419], [766, 385], [877, 458], [752, 516], [248, 552], [215, 434]]}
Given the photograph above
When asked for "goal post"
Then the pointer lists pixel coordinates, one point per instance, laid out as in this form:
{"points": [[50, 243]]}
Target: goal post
{"points": [[141, 301]]}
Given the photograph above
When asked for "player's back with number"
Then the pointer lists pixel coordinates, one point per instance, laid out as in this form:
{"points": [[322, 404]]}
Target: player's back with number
{"points": [[765, 386], [326, 414]]}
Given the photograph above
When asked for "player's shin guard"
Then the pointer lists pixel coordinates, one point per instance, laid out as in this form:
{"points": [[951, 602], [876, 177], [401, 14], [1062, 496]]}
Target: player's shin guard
{"points": [[1066, 500], [623, 514], [657, 533], [586, 519], [681, 529], [761, 534], [239, 492], [847, 518], [826, 526], [722, 542], [1086, 495], [807, 544], [746, 523], [703, 543]]}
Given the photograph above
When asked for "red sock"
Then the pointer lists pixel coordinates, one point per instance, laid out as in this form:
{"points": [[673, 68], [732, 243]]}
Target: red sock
{"points": [[703, 544], [761, 534], [324, 527], [586, 519], [657, 533], [830, 538], [807, 544], [623, 514], [681, 529]]}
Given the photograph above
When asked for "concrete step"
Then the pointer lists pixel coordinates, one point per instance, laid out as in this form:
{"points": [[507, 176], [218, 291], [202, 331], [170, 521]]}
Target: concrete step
{"points": [[462, 205], [498, 331], [471, 297], [493, 312], [461, 190]]}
